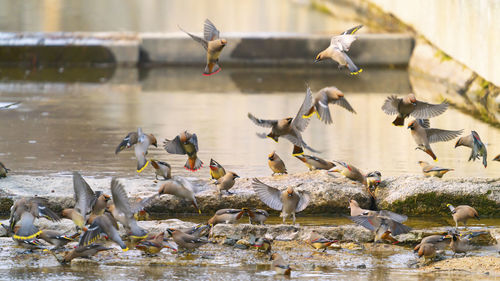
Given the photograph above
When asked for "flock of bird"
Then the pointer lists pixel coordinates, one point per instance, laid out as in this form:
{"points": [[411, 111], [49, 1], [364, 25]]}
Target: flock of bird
{"points": [[96, 214]]}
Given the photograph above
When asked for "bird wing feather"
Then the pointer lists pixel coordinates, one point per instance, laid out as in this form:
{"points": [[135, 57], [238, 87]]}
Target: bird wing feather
{"points": [[269, 195], [425, 110], [438, 135], [262, 122], [390, 106], [210, 32]]}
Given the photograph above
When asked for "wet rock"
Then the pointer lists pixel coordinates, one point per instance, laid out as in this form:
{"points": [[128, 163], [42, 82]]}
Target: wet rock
{"points": [[230, 241], [361, 266], [470, 264], [81, 262]]}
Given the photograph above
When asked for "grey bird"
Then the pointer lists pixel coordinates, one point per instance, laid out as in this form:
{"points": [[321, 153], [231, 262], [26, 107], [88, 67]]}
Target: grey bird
{"points": [[226, 216], [424, 136], [460, 243], [213, 44], [410, 106], [258, 216], [103, 224], [477, 146], [26, 230], [289, 128], [226, 182], [37, 207], [180, 187], [127, 142], [81, 252], [3, 170], [383, 226], [339, 45], [315, 163], [185, 143], [287, 201], [123, 211], [358, 211], [186, 241], [433, 171], [162, 169], [56, 238], [141, 149], [462, 214], [321, 100], [439, 241]]}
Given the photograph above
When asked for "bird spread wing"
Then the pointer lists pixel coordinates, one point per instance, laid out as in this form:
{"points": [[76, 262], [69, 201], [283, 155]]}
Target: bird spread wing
{"points": [[174, 146], [128, 141], [210, 32], [188, 184], [120, 198], [368, 222], [438, 135], [140, 205], [298, 122], [398, 228], [390, 106], [342, 43], [322, 108], [200, 40], [84, 195], [304, 200], [42, 209], [345, 104], [262, 122], [194, 141], [268, 194], [394, 216], [425, 110], [352, 30]]}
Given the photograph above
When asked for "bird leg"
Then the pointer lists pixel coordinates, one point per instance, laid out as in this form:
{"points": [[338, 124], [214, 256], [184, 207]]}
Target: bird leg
{"points": [[293, 214]]}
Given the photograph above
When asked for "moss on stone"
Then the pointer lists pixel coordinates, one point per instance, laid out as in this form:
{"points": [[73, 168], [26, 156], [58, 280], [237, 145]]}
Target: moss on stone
{"points": [[5, 204], [425, 204], [321, 7]]}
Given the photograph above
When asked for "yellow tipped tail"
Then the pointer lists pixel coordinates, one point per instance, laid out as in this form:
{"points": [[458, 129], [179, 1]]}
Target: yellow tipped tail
{"points": [[142, 169], [126, 249], [357, 72], [199, 211]]}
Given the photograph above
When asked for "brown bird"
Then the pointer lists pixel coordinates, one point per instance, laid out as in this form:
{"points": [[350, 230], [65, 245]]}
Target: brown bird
{"points": [[216, 170], [186, 241], [319, 242], [382, 225], [226, 182], [289, 128], [439, 241], [103, 224], [141, 149], [433, 171], [256, 215], [127, 142], [82, 252], [56, 238], [180, 187], [460, 243], [497, 158], [358, 211], [462, 213], [153, 245], [477, 147], [263, 245], [287, 201], [162, 169], [279, 265], [339, 45], [212, 44], [409, 105], [427, 250], [185, 143], [315, 163], [3, 170], [226, 216], [276, 164], [36, 207], [321, 100], [349, 171], [424, 136]]}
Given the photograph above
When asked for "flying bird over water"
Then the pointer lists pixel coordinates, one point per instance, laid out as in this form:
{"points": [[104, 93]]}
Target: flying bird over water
{"points": [[339, 45], [477, 147], [141, 143], [409, 105], [321, 100], [212, 44], [424, 136], [289, 128], [185, 143]]}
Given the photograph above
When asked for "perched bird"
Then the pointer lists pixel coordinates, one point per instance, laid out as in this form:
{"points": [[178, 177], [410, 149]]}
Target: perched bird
{"points": [[424, 136], [141, 149], [276, 164], [212, 44], [460, 243], [321, 100], [103, 224], [314, 163], [349, 171], [153, 245], [256, 215], [319, 242], [81, 252], [439, 241], [87, 201], [339, 45], [185, 143], [433, 171], [358, 211], [373, 180], [409, 105], [279, 265], [162, 169], [186, 241], [427, 250], [382, 225], [3, 170], [287, 201], [289, 128], [180, 187], [478, 148], [123, 211], [216, 170], [226, 182], [497, 158], [263, 245], [226, 216], [462, 213], [36, 207], [56, 238], [197, 230]]}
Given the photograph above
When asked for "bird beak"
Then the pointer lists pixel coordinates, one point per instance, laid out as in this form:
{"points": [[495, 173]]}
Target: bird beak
{"points": [[170, 231]]}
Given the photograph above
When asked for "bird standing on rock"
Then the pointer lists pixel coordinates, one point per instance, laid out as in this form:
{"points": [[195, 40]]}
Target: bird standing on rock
{"points": [[212, 44], [326, 96], [409, 105], [462, 213], [185, 143], [162, 169], [477, 147], [216, 170], [186, 241], [276, 164], [424, 136], [289, 128], [256, 215], [433, 171], [339, 45], [152, 245], [287, 201], [226, 216], [226, 182]]}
